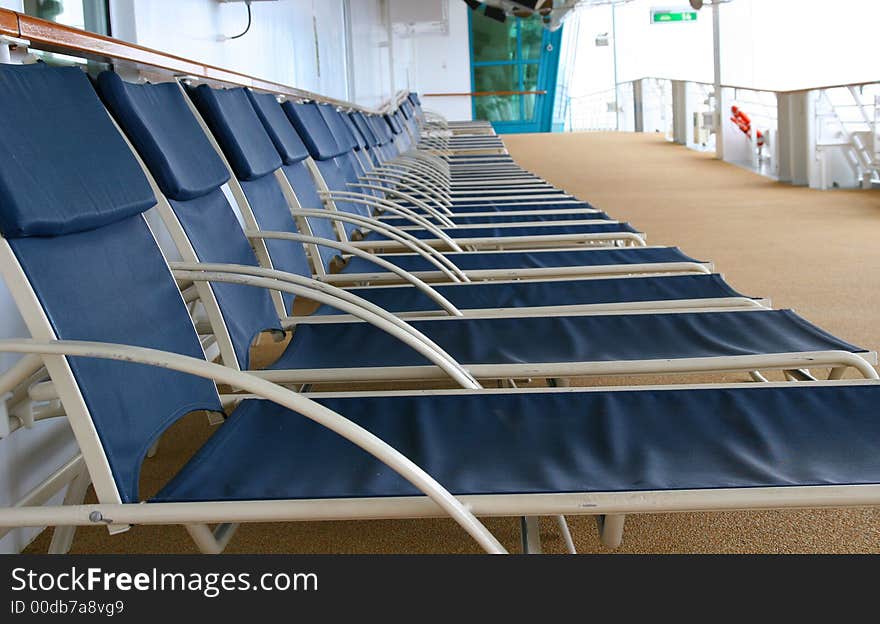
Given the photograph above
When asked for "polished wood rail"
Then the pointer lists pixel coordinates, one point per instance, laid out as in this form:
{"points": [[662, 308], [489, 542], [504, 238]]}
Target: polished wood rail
{"points": [[484, 93], [52, 37], [8, 23]]}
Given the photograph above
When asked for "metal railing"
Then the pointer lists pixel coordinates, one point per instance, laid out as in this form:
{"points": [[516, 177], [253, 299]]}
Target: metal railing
{"points": [[846, 120]]}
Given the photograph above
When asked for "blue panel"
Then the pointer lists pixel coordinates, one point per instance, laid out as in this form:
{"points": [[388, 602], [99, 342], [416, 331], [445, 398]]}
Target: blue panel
{"points": [[549, 293], [216, 236], [360, 139], [238, 130], [285, 138], [501, 205], [336, 181], [50, 184], [609, 338], [313, 130], [157, 119], [380, 129], [112, 285], [271, 212], [530, 259], [303, 185], [503, 218], [365, 129], [535, 230], [394, 124], [549, 442], [338, 127]]}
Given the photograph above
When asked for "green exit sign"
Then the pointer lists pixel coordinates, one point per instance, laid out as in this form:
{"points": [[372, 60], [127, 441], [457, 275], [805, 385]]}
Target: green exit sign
{"points": [[663, 16]]}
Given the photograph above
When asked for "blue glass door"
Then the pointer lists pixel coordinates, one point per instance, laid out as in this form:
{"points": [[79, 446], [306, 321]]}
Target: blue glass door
{"points": [[513, 72]]}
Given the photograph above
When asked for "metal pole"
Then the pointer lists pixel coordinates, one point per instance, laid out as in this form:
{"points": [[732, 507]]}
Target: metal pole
{"points": [[614, 56], [390, 28], [716, 45]]}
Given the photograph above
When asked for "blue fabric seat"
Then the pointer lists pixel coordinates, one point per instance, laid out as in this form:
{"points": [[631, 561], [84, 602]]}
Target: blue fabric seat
{"points": [[500, 207], [509, 232], [502, 218], [530, 259], [638, 440], [548, 293], [606, 338]]}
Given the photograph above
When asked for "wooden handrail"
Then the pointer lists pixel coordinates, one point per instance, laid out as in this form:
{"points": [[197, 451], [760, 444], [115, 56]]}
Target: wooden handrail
{"points": [[52, 37], [8, 23], [484, 93]]}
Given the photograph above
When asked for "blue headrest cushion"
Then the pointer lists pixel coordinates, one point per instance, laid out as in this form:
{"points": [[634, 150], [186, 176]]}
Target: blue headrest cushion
{"points": [[364, 128], [355, 132], [380, 129], [341, 132], [414, 98], [392, 120], [157, 119], [238, 130], [279, 128], [310, 124], [65, 168]]}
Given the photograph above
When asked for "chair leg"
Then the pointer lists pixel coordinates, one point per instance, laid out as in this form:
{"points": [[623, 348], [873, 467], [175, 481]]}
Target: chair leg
{"points": [[530, 530], [566, 535], [837, 373], [62, 536], [211, 542], [611, 529]]}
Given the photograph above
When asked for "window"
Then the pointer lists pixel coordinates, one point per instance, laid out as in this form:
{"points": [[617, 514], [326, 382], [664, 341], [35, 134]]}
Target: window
{"points": [[91, 15], [518, 54]]}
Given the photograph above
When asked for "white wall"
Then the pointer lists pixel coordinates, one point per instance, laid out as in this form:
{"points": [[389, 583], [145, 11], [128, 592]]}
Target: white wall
{"points": [[280, 46], [793, 44], [370, 52], [436, 62]]}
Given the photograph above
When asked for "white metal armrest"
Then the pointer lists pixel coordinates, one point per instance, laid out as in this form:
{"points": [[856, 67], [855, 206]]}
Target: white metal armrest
{"points": [[354, 251], [415, 201], [409, 184], [387, 204], [402, 236], [413, 167], [390, 206], [370, 313], [137, 513], [436, 163], [427, 183]]}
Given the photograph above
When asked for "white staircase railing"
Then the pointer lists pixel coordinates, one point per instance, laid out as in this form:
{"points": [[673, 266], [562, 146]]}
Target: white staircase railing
{"points": [[846, 122]]}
